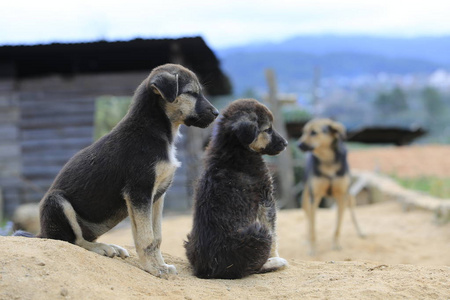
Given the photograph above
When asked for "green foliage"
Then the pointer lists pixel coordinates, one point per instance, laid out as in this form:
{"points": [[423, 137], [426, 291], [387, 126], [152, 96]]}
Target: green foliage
{"points": [[391, 102], [6, 227], [432, 101], [250, 93], [109, 111], [291, 114], [434, 186]]}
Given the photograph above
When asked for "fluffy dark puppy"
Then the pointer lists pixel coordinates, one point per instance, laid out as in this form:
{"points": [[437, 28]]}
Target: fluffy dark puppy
{"points": [[327, 174], [234, 219], [128, 171]]}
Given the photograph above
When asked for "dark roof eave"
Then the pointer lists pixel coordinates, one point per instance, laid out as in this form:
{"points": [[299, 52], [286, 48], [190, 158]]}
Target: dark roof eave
{"points": [[27, 61]]}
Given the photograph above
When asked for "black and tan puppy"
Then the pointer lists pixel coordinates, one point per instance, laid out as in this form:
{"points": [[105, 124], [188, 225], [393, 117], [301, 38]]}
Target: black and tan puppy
{"points": [[128, 171], [234, 219], [327, 174]]}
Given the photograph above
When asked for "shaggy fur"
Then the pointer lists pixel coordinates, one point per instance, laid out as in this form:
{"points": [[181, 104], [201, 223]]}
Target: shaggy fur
{"points": [[327, 174], [128, 171], [234, 220]]}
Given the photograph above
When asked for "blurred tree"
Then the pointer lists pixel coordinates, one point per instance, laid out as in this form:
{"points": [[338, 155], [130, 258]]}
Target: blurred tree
{"points": [[250, 93], [382, 103], [391, 102], [398, 99], [109, 111], [432, 101]]}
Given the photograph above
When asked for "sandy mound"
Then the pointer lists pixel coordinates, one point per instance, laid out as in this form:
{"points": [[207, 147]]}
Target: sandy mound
{"points": [[45, 269], [369, 269]]}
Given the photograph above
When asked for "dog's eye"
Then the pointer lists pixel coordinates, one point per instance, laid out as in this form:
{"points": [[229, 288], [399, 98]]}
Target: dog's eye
{"points": [[313, 133], [268, 130], [193, 94]]}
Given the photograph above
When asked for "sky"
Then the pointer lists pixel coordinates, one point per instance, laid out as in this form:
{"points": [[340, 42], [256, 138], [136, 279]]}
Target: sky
{"points": [[222, 23]]}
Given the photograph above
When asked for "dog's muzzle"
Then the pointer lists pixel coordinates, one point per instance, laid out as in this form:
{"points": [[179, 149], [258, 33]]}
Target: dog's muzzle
{"points": [[304, 147], [206, 113], [278, 145]]}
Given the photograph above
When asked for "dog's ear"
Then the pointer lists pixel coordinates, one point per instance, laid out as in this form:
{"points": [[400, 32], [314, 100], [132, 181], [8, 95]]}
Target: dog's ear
{"points": [[166, 85], [339, 129], [245, 130]]}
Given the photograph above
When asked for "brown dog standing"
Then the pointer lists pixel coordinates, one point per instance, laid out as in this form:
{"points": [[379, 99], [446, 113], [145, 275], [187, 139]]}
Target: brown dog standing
{"points": [[327, 174]]}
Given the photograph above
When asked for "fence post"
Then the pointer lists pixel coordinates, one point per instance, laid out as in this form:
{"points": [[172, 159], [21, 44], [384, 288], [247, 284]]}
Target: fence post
{"points": [[1, 205], [284, 159]]}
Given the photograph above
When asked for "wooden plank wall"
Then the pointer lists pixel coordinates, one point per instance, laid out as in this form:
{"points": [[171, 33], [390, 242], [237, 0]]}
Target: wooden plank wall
{"points": [[53, 126], [45, 121], [10, 154]]}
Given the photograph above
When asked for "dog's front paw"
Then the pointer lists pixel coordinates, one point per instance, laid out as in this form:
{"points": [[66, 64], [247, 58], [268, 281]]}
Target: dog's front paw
{"points": [[274, 263], [167, 270], [105, 249], [163, 271], [152, 270], [171, 269], [122, 252]]}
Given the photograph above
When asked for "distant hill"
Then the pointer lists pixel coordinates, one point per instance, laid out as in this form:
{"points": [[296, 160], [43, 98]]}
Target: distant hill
{"points": [[348, 56]]}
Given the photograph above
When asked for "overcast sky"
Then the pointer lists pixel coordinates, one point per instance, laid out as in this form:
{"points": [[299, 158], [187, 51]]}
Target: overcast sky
{"points": [[222, 23]]}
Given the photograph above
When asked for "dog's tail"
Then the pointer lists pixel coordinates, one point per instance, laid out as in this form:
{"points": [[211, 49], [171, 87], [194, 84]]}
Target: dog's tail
{"points": [[238, 255], [24, 234]]}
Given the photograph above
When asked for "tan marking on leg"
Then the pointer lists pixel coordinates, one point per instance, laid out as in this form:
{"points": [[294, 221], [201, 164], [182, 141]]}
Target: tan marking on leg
{"points": [[341, 204], [147, 244], [143, 236], [157, 213], [319, 187], [100, 248]]}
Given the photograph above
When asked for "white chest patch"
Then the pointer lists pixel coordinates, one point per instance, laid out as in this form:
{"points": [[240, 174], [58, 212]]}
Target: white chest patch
{"points": [[165, 170], [172, 157]]}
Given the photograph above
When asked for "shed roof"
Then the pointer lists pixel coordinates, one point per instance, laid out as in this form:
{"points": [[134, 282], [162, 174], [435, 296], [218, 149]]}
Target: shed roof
{"points": [[111, 57]]}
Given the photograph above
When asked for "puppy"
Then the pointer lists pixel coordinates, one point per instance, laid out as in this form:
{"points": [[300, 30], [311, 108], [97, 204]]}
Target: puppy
{"points": [[327, 174], [128, 171], [233, 234]]}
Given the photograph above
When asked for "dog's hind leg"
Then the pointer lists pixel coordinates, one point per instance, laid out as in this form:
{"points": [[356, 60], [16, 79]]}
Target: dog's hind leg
{"points": [[341, 204], [351, 204], [310, 202], [100, 248], [267, 217]]}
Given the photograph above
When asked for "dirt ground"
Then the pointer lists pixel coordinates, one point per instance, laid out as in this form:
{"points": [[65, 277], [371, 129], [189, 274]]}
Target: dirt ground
{"points": [[405, 255], [406, 161]]}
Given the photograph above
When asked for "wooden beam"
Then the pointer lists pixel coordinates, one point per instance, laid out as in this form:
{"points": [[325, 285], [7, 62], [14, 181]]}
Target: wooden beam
{"points": [[284, 159], [1, 204]]}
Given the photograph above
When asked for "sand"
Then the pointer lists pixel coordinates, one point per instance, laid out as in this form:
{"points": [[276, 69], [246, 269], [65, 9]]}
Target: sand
{"points": [[404, 256]]}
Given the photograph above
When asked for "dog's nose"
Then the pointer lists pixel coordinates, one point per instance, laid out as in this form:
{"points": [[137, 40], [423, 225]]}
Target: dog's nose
{"points": [[215, 112], [304, 147], [285, 143]]}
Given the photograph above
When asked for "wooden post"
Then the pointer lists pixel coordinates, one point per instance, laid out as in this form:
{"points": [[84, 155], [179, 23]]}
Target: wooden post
{"points": [[1, 205], [315, 90], [194, 149], [284, 159]]}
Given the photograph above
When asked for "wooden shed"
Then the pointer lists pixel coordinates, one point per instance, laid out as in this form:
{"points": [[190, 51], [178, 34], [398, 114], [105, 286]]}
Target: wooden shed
{"points": [[47, 105]]}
